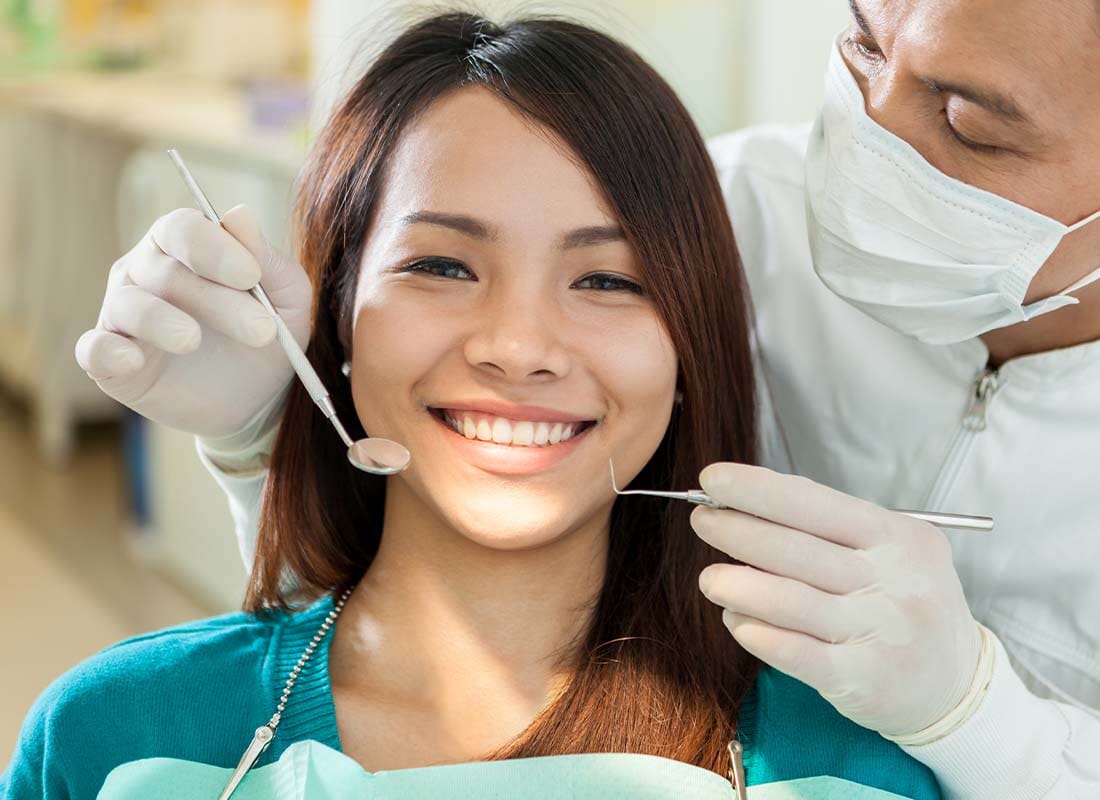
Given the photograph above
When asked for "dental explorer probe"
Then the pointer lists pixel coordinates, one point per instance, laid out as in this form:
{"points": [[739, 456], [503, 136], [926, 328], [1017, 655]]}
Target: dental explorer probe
{"points": [[376, 456], [958, 522]]}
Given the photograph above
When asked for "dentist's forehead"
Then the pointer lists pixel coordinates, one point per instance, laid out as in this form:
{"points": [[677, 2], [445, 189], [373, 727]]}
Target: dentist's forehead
{"points": [[1037, 60]]}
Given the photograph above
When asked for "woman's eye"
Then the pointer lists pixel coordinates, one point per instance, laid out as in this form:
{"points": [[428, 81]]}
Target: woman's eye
{"points": [[605, 282], [441, 268]]}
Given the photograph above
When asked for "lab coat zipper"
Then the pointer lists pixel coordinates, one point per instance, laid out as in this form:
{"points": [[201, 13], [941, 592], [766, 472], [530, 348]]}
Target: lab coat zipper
{"points": [[974, 422]]}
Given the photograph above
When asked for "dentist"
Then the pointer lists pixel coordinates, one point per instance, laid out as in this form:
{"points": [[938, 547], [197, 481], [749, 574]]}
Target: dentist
{"points": [[924, 271], [923, 266]]}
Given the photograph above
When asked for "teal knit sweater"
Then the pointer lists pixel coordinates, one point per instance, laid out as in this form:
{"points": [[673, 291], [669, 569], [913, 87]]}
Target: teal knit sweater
{"points": [[198, 691]]}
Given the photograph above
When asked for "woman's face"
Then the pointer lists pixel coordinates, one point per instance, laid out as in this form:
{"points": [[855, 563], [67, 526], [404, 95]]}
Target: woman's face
{"points": [[502, 331]]}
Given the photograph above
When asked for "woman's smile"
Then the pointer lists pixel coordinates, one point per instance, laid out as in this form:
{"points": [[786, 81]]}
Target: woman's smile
{"points": [[511, 439]]}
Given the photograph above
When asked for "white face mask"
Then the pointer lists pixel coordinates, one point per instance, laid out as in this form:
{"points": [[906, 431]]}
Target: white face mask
{"points": [[919, 251]]}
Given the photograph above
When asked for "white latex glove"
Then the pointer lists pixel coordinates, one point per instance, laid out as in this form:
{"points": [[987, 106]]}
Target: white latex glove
{"points": [[179, 339], [861, 603]]}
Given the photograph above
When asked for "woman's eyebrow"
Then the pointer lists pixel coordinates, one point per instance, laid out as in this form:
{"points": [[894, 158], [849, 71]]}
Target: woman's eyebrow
{"points": [[479, 229], [469, 226], [591, 236]]}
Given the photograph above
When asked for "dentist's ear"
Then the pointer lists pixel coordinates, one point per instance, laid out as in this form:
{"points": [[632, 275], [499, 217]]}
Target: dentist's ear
{"points": [[346, 369]]}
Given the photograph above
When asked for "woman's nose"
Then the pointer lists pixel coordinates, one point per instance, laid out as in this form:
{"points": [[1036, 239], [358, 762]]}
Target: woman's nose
{"points": [[519, 339]]}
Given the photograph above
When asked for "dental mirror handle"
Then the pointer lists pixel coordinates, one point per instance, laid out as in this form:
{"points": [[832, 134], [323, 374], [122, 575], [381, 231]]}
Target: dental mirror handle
{"points": [[301, 365], [294, 353]]}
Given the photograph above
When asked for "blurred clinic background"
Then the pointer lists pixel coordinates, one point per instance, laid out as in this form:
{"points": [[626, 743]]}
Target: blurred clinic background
{"points": [[108, 526]]}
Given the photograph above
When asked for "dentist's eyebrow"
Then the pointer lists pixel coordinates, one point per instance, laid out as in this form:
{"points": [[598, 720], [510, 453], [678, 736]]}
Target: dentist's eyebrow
{"points": [[861, 21], [592, 236], [461, 223], [992, 101]]}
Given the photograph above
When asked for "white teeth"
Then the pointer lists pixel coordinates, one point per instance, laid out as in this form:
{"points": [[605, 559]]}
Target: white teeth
{"points": [[518, 433], [523, 433], [502, 431]]}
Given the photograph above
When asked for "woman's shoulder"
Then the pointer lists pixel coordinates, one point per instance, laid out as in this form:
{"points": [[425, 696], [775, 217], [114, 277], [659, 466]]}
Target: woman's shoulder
{"points": [[157, 664], [790, 731], [193, 691]]}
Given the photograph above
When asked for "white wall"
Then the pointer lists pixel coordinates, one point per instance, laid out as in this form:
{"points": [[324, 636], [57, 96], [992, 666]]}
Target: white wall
{"points": [[693, 43], [734, 62], [787, 45]]}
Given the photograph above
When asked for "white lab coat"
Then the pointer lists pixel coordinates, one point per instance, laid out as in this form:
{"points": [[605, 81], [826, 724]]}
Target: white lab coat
{"points": [[852, 404], [855, 405]]}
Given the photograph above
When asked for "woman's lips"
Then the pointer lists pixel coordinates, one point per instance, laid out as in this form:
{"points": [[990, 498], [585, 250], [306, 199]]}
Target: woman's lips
{"points": [[509, 446]]}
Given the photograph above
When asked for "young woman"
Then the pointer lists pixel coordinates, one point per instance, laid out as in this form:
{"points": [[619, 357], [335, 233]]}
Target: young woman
{"points": [[519, 246]]}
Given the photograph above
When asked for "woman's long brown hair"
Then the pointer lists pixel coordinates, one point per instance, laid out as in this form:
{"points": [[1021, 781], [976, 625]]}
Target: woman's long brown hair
{"points": [[657, 673]]}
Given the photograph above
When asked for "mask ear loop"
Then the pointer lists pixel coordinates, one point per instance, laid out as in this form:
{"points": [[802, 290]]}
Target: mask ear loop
{"points": [[1093, 276], [1079, 225]]}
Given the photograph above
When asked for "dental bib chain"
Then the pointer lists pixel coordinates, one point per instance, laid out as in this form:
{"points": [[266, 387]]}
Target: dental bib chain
{"points": [[265, 733]]}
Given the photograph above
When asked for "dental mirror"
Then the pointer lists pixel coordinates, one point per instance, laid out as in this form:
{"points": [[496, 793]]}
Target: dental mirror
{"points": [[376, 456]]}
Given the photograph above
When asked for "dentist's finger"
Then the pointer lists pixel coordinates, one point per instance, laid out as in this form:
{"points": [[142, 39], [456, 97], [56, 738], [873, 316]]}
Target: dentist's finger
{"points": [[798, 503], [781, 550], [778, 601], [241, 223], [231, 311], [802, 657], [134, 312], [104, 355], [205, 248]]}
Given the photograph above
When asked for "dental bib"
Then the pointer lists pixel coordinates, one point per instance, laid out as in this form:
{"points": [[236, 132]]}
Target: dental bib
{"points": [[309, 770]]}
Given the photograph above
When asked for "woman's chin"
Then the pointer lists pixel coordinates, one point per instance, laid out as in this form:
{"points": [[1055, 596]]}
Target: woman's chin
{"points": [[511, 521]]}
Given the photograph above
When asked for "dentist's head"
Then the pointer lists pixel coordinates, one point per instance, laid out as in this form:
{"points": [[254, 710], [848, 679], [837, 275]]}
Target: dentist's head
{"points": [[998, 95]]}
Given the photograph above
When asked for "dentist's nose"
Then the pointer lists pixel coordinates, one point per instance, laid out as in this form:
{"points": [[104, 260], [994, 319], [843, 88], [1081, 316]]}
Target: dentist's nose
{"points": [[519, 339]]}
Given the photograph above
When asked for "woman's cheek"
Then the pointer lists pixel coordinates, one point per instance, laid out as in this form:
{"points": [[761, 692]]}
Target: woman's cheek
{"points": [[395, 343], [639, 362]]}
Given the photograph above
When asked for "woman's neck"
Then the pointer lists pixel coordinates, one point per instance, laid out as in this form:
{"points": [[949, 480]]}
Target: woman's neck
{"points": [[449, 627]]}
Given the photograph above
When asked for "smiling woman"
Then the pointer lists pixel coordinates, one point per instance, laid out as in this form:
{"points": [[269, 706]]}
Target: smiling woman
{"points": [[519, 234], [517, 242]]}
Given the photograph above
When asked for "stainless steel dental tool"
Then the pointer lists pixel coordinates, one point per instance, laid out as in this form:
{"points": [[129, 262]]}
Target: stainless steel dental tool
{"points": [[959, 522], [377, 456]]}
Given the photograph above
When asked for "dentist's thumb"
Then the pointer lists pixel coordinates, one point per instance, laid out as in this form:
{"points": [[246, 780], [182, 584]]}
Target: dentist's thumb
{"points": [[283, 279]]}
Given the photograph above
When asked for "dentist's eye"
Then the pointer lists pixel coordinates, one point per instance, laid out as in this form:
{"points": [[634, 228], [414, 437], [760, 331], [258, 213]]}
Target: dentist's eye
{"points": [[605, 282], [863, 46], [441, 268], [970, 144]]}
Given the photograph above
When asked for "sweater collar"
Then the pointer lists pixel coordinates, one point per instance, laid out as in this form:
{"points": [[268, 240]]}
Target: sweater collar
{"points": [[310, 712]]}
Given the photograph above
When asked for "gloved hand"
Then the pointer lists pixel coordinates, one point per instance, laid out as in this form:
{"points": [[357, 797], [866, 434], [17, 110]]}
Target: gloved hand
{"points": [[861, 603], [179, 339]]}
